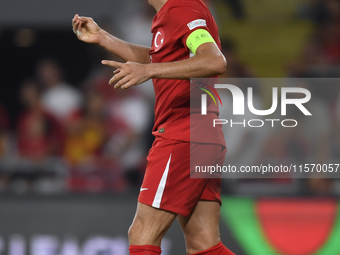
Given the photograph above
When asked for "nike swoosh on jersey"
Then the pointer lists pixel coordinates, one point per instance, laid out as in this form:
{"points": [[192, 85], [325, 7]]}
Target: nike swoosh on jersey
{"points": [[141, 189]]}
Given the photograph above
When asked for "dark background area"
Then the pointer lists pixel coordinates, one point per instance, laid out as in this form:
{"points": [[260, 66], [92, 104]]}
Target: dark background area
{"points": [[18, 63]]}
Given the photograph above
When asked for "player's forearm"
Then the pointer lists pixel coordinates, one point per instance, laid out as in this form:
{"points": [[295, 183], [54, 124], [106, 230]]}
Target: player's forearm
{"points": [[124, 50], [202, 65]]}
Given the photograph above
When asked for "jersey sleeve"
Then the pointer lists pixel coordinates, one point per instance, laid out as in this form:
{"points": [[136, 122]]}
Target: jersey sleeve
{"points": [[185, 20]]}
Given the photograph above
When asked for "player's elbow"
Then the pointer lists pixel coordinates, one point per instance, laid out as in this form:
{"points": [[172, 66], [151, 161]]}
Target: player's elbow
{"points": [[219, 65]]}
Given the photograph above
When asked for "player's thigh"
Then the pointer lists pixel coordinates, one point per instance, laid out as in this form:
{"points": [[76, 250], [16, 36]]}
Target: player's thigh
{"points": [[149, 225], [201, 228]]}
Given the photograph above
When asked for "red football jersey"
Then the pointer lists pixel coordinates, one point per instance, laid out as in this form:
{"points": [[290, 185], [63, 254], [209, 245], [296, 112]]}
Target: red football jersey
{"points": [[172, 25]]}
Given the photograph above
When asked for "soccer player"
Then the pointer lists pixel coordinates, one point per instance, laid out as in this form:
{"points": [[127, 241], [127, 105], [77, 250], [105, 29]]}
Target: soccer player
{"points": [[185, 45]]}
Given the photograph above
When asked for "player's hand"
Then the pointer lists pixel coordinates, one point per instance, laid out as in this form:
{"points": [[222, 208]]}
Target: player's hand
{"points": [[127, 74], [86, 29]]}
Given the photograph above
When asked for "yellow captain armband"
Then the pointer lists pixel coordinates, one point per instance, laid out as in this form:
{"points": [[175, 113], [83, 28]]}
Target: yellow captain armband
{"points": [[197, 38]]}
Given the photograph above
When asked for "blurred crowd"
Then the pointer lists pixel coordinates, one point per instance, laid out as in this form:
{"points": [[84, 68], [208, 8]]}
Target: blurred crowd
{"points": [[89, 137], [67, 139], [321, 54], [317, 140]]}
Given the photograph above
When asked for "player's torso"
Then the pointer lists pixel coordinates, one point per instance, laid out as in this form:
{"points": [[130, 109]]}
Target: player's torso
{"points": [[172, 108], [167, 44]]}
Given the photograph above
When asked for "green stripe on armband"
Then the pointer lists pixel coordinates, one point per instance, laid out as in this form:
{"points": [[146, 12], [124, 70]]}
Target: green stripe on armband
{"points": [[197, 38]]}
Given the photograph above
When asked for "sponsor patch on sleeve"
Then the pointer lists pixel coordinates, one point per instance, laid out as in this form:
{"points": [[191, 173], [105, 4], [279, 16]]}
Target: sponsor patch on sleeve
{"points": [[197, 23]]}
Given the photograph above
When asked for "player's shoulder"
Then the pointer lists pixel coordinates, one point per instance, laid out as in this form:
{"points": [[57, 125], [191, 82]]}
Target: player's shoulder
{"points": [[187, 5], [186, 9]]}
